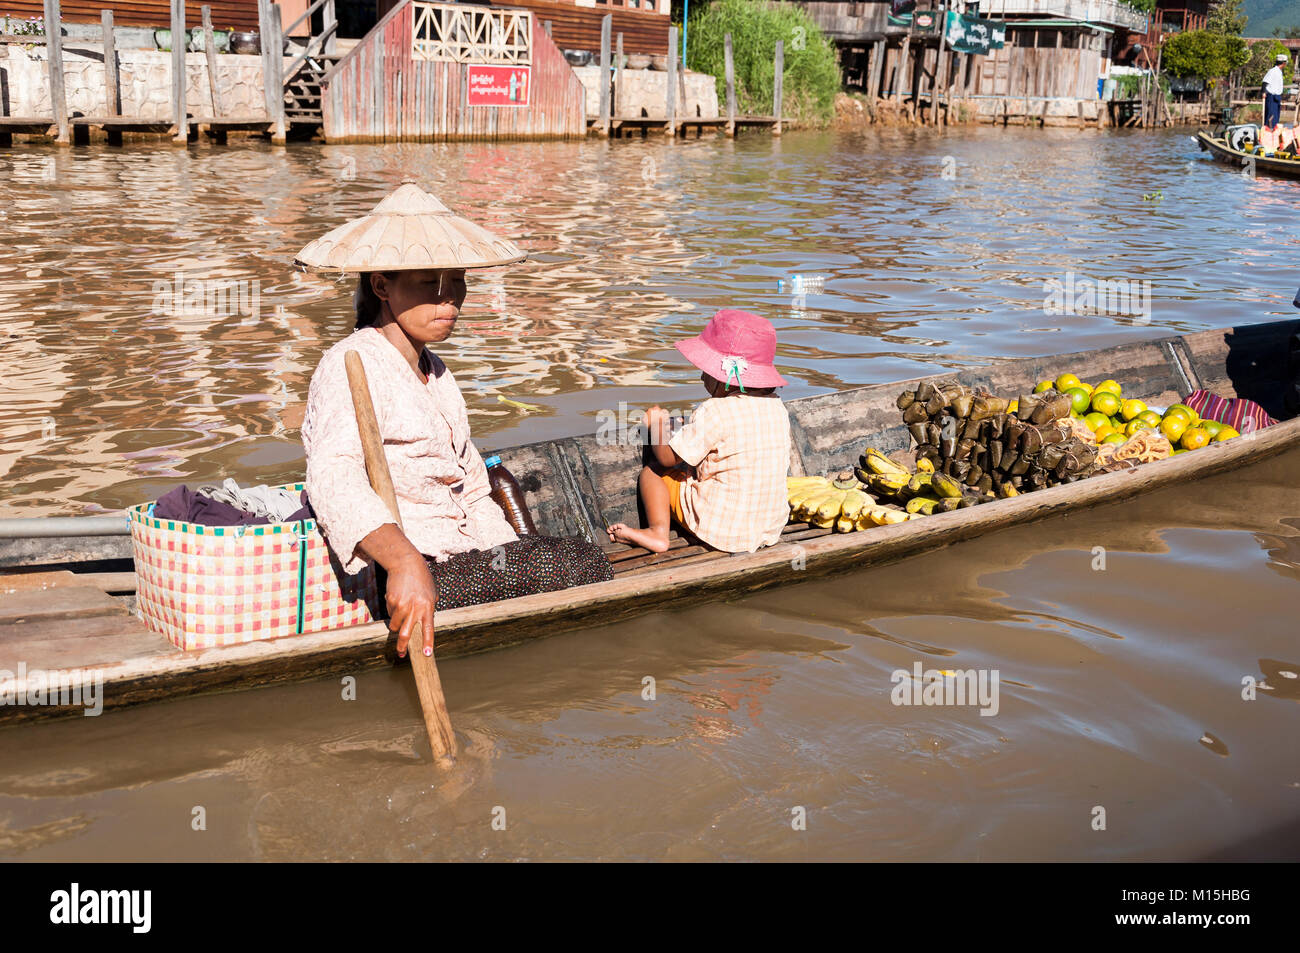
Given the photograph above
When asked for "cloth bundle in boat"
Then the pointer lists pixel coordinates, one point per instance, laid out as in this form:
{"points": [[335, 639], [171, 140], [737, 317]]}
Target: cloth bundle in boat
{"points": [[1244, 416], [209, 586]]}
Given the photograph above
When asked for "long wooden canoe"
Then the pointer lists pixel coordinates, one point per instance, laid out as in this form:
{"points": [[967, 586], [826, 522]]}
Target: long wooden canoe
{"points": [[1220, 150], [56, 620]]}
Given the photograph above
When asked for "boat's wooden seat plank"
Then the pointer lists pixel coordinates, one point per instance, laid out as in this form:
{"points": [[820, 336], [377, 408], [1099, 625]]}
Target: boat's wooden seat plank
{"points": [[61, 602], [128, 643], [696, 553], [16, 581]]}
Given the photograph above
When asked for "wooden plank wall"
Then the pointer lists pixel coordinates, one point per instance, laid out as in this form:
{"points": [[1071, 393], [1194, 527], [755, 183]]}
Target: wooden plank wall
{"points": [[1038, 71], [226, 14], [380, 93], [578, 28]]}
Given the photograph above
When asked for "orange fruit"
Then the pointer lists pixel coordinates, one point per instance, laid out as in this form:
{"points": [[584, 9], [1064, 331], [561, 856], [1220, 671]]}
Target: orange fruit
{"points": [[1173, 426], [1194, 438], [1104, 402], [1065, 382], [1103, 431], [1114, 438], [1109, 385], [1227, 433], [1095, 420], [1131, 408], [1042, 386], [1150, 418], [1212, 427]]}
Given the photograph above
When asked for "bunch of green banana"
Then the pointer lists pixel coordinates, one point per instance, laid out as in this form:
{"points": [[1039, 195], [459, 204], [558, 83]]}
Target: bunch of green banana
{"points": [[924, 492]]}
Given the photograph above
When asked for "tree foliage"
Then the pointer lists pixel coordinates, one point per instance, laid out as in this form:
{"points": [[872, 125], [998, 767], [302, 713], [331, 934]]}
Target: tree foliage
{"points": [[1263, 56], [1226, 17], [1203, 54], [811, 76]]}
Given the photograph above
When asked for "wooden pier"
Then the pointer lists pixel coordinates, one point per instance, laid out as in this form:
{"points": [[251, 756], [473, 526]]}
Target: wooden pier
{"points": [[427, 71], [674, 122]]}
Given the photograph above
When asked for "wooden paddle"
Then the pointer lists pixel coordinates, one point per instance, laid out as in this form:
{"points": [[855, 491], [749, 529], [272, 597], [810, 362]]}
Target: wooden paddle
{"points": [[427, 683]]}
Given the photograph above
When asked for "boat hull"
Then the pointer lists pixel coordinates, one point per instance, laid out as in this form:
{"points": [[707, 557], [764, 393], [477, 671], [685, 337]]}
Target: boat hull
{"points": [[589, 482], [1222, 152]]}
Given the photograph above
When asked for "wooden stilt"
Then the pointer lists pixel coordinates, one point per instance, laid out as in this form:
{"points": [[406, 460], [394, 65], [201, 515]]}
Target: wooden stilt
{"points": [[618, 75], [210, 54], [730, 67], [606, 25], [112, 91], [180, 114], [670, 101], [54, 64], [778, 78]]}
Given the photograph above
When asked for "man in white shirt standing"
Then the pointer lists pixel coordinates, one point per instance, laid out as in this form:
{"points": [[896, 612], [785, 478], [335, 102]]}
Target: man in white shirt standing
{"points": [[1273, 92]]}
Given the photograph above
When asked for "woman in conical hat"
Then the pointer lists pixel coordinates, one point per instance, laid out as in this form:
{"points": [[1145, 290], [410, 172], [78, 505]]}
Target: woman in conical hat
{"points": [[412, 254]]}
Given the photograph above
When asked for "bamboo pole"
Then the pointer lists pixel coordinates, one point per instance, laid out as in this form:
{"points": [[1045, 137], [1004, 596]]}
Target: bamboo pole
{"points": [[778, 82], [940, 67], [54, 64], [442, 739], [902, 69], [210, 54], [618, 73], [730, 67], [670, 103], [606, 25]]}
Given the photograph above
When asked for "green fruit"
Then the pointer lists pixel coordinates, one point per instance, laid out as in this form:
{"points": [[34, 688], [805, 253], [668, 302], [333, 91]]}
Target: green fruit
{"points": [[1079, 399]]}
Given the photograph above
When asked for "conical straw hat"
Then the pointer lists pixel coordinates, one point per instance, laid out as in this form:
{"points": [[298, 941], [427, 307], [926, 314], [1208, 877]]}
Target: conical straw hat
{"points": [[409, 229]]}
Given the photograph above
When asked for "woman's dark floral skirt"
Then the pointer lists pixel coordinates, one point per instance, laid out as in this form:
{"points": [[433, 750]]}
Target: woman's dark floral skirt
{"points": [[530, 565]]}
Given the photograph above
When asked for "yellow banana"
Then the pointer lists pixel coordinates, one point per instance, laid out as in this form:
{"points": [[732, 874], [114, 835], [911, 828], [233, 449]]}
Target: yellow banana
{"points": [[877, 462], [945, 486], [854, 502], [829, 508], [845, 525]]}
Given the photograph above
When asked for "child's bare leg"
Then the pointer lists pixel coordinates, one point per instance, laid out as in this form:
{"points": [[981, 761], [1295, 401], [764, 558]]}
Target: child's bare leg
{"points": [[658, 510]]}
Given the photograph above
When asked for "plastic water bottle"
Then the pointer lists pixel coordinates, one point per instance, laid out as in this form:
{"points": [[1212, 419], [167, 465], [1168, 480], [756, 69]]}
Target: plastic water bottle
{"points": [[507, 494], [802, 284]]}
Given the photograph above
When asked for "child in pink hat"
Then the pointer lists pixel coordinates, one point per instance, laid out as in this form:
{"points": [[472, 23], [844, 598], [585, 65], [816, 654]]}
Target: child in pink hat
{"points": [[722, 476]]}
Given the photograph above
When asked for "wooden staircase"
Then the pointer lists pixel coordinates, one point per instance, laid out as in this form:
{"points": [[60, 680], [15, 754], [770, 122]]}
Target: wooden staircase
{"points": [[312, 57], [302, 91]]}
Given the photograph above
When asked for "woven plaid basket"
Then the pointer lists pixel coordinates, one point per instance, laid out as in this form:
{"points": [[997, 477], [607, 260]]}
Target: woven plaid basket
{"points": [[209, 586]]}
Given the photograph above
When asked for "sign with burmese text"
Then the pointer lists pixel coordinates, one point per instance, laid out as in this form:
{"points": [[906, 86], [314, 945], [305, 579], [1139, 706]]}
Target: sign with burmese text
{"points": [[498, 85]]}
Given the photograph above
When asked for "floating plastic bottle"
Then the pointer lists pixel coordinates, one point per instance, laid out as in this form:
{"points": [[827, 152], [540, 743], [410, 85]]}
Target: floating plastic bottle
{"points": [[802, 284]]}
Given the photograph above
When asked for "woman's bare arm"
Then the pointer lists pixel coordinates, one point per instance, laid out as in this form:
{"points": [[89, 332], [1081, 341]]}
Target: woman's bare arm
{"points": [[411, 593]]}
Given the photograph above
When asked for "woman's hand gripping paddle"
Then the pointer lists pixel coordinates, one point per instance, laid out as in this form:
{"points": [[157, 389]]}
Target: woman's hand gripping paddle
{"points": [[427, 683]]}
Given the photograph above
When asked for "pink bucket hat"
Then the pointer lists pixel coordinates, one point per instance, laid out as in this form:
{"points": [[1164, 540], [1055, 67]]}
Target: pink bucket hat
{"points": [[736, 346]]}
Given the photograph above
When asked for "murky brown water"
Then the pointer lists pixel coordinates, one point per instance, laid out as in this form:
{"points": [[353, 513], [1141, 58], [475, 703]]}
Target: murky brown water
{"points": [[1120, 688]]}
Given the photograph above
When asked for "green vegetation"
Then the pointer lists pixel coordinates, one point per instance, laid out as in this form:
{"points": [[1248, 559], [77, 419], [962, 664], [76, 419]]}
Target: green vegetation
{"points": [[811, 77], [1263, 56], [1226, 18], [1142, 6], [1203, 54]]}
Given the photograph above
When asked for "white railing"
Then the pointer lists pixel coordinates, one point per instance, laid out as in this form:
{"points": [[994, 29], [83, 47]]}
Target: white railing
{"points": [[471, 34], [1103, 12]]}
